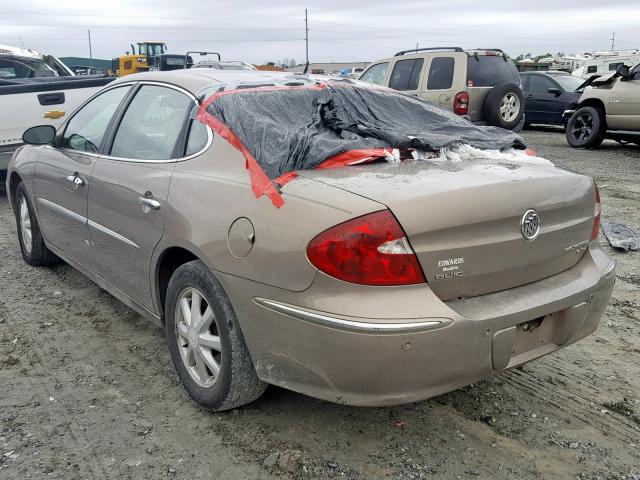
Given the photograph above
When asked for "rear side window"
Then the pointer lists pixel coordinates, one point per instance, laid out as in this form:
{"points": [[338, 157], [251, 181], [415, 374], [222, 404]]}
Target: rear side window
{"points": [[87, 127], [198, 137], [614, 66], [441, 73], [376, 74], [406, 74], [490, 70], [538, 83], [152, 124], [592, 69]]}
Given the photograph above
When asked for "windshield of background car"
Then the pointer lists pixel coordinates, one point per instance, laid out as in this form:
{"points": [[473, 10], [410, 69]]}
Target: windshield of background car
{"points": [[375, 74], [569, 82], [490, 70]]}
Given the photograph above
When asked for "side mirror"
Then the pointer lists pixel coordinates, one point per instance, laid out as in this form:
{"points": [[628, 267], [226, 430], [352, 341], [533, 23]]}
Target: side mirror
{"points": [[622, 71], [39, 135], [555, 91]]}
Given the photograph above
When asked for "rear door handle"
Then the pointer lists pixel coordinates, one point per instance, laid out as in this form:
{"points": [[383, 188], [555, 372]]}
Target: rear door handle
{"points": [[149, 203], [75, 180]]}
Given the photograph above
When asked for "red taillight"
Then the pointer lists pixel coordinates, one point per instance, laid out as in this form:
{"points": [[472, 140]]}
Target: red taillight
{"points": [[369, 250], [597, 209], [461, 103]]}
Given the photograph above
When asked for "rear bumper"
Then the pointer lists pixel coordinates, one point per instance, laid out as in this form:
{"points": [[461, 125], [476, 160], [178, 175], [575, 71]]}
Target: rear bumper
{"points": [[383, 361]]}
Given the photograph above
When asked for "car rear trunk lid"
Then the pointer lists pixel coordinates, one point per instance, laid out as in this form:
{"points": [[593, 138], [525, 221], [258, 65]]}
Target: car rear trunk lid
{"points": [[463, 219]]}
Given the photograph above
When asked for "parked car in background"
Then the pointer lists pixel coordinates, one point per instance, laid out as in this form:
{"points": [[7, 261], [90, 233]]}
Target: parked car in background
{"points": [[354, 291], [317, 71], [610, 108], [547, 95], [36, 88], [483, 85], [351, 72]]}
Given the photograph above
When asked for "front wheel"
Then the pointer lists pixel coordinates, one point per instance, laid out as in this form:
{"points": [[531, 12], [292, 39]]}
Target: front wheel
{"points": [[34, 251], [586, 128], [207, 347]]}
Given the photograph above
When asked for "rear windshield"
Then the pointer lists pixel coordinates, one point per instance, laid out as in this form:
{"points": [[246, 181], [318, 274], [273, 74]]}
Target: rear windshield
{"points": [[490, 70]]}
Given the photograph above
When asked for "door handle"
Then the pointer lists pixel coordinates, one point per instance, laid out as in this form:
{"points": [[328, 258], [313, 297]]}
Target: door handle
{"points": [[149, 203], [75, 180]]}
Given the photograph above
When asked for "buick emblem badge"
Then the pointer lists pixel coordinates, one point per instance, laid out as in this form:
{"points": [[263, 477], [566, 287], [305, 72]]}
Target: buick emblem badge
{"points": [[530, 225]]}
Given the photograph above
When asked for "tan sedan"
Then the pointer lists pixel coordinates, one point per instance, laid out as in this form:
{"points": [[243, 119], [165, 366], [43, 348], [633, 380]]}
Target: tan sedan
{"points": [[375, 284]]}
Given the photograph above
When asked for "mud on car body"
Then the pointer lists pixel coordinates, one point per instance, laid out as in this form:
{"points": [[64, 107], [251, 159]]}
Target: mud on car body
{"points": [[379, 272]]}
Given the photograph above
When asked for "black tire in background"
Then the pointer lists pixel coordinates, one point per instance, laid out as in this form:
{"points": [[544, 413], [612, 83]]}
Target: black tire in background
{"points": [[494, 101], [37, 254], [237, 382], [586, 128]]}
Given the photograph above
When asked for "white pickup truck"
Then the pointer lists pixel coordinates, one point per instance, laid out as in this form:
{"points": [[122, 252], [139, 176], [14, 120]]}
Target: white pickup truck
{"points": [[36, 89]]}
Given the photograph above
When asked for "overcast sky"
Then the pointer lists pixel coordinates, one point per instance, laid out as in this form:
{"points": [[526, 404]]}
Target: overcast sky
{"points": [[340, 30]]}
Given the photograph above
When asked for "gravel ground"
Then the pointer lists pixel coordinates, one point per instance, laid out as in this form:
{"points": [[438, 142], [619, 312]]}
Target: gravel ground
{"points": [[88, 389]]}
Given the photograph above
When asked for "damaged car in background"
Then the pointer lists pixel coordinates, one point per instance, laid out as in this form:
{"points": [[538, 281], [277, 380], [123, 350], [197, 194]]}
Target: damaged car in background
{"points": [[338, 239], [609, 107]]}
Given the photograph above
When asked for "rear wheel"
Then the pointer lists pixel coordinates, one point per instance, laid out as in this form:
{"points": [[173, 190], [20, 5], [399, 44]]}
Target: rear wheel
{"points": [[205, 341], [34, 250], [504, 106], [586, 128]]}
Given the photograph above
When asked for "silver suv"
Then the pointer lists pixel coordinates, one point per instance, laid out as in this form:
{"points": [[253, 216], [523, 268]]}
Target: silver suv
{"points": [[482, 84]]}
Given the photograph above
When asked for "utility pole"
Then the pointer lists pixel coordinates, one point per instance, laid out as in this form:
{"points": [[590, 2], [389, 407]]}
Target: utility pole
{"points": [[306, 35], [90, 52], [613, 41]]}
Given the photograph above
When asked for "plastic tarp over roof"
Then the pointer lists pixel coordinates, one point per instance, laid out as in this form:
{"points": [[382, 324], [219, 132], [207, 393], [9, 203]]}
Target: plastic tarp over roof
{"points": [[296, 123]]}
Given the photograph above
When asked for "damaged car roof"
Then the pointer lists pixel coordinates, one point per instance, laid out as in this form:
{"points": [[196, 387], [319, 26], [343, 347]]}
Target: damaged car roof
{"points": [[283, 122]]}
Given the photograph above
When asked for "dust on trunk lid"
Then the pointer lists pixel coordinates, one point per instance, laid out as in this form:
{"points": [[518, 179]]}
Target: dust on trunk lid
{"points": [[464, 219]]}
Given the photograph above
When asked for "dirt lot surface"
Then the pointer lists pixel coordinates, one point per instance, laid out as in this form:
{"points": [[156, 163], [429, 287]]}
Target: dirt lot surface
{"points": [[88, 389]]}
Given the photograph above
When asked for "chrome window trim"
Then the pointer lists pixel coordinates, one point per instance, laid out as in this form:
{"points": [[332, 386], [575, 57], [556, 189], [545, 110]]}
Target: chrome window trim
{"points": [[139, 160], [325, 320]]}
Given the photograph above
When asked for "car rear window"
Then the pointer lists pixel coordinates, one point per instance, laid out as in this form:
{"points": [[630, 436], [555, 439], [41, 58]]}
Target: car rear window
{"points": [[490, 70], [441, 73], [406, 74]]}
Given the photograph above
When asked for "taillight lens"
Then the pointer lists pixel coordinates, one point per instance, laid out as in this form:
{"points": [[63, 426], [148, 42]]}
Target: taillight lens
{"points": [[369, 250], [597, 210], [461, 103]]}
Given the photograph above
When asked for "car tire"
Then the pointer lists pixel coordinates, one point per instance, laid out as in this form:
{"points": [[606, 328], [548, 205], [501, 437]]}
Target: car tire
{"points": [[504, 106], [34, 250], [206, 344], [586, 128]]}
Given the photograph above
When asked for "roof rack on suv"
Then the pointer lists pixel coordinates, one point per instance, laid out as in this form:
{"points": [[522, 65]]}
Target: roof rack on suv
{"points": [[490, 49], [415, 50]]}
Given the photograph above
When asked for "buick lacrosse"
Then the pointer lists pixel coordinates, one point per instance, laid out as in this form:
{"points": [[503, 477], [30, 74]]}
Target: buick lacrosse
{"points": [[337, 239]]}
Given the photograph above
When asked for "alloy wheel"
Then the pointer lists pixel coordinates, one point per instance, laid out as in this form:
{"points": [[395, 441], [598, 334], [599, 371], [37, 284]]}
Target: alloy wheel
{"points": [[509, 107], [25, 225], [197, 336], [582, 127]]}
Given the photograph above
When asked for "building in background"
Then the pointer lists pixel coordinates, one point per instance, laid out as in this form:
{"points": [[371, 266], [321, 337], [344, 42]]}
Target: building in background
{"points": [[83, 66]]}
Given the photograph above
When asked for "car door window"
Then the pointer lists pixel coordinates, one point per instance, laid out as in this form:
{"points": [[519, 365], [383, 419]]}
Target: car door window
{"points": [[376, 74], [441, 73], [406, 74], [152, 124], [87, 127], [540, 84]]}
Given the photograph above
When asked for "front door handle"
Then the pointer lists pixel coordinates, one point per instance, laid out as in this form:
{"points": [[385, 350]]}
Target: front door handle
{"points": [[76, 180], [149, 203]]}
